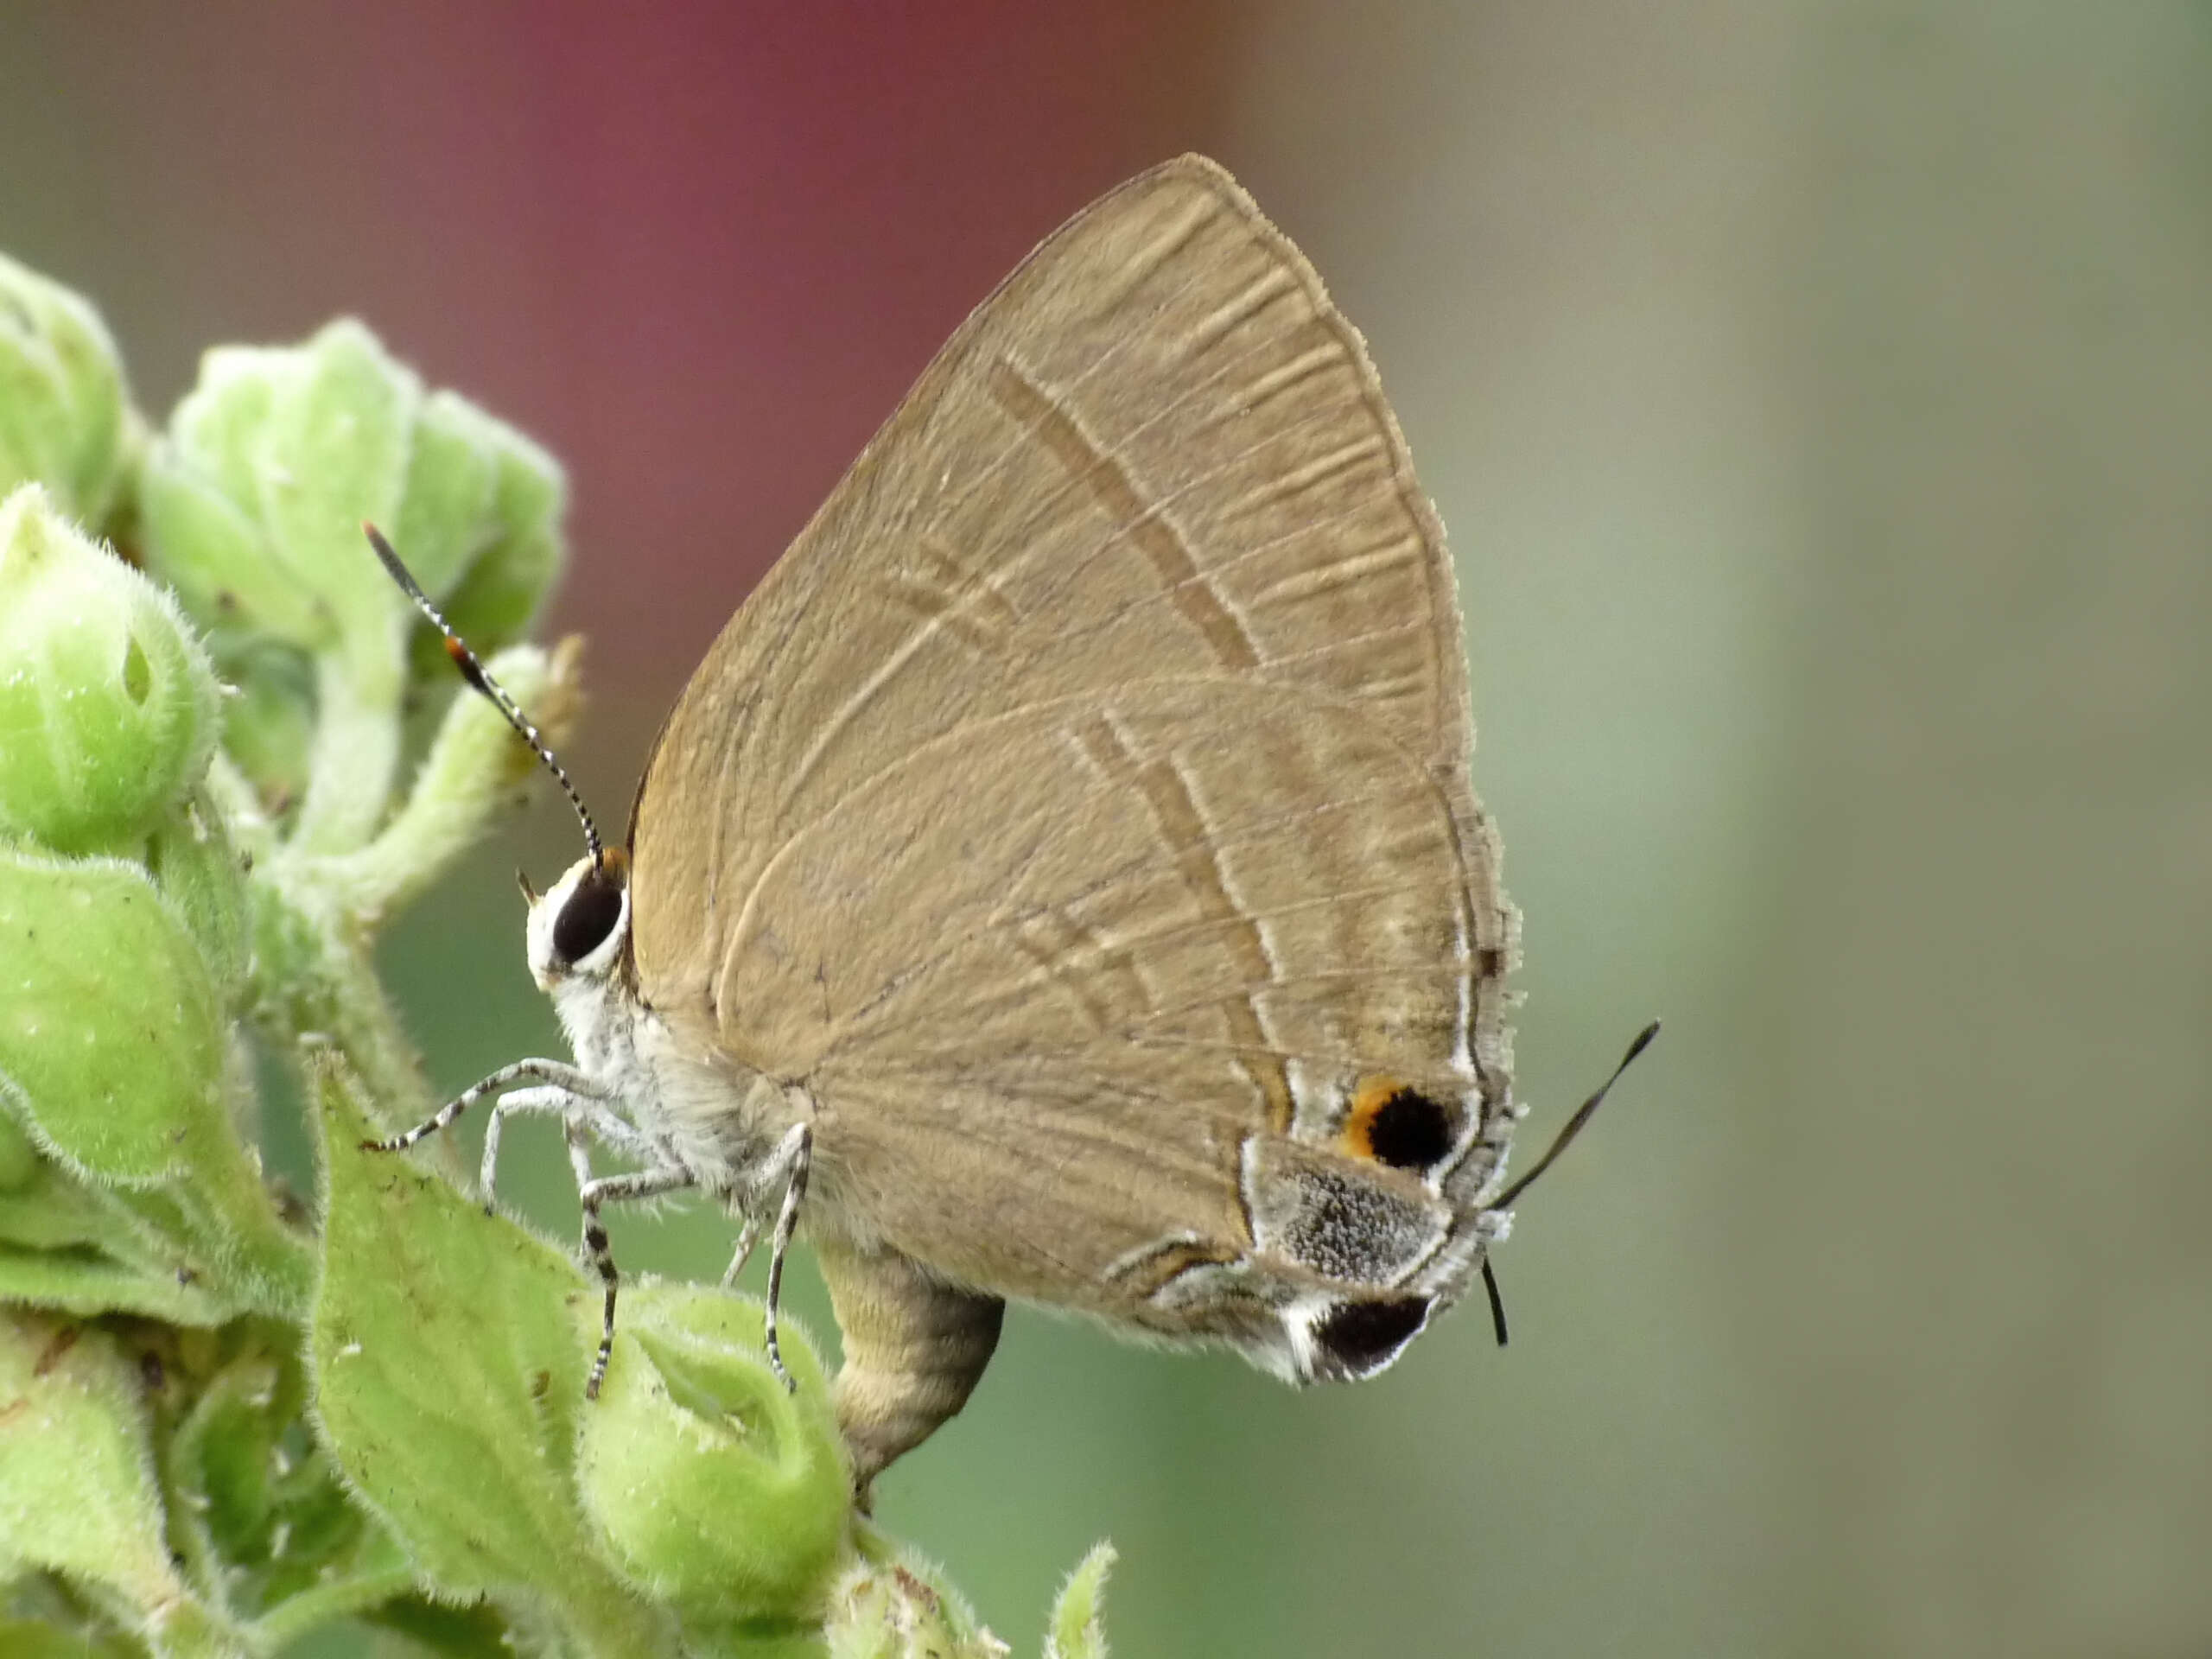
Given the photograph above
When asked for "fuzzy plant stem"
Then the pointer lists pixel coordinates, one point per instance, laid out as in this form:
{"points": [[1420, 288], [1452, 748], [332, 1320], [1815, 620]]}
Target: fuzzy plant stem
{"points": [[356, 753]]}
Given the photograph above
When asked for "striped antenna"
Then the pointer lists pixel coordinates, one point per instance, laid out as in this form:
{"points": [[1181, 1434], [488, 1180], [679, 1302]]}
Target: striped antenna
{"points": [[472, 669], [1503, 1200], [1582, 1115]]}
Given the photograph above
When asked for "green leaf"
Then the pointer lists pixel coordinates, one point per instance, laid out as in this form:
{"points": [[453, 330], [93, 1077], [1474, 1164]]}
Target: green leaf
{"points": [[1074, 1631], [253, 505], [254, 501], [219, 423], [23, 1639], [334, 452], [449, 1350], [75, 1249], [96, 1283], [219, 1458]]}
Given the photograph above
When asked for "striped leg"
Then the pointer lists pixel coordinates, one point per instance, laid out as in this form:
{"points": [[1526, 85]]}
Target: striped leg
{"points": [[748, 1236], [608, 1130], [793, 1157], [567, 1078], [645, 1183], [778, 1169]]}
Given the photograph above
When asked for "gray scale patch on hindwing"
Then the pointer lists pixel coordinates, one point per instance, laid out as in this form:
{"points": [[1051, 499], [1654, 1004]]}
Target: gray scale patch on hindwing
{"points": [[1346, 1221]]}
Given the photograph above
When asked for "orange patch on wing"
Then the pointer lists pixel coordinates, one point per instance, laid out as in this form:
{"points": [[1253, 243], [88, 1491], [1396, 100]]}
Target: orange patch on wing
{"points": [[1375, 1092]]}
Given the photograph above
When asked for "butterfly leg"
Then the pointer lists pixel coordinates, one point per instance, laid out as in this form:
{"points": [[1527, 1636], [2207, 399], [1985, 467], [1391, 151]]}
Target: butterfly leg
{"points": [[778, 1169], [566, 1078], [605, 1127], [793, 1157], [595, 1192], [748, 1236]]}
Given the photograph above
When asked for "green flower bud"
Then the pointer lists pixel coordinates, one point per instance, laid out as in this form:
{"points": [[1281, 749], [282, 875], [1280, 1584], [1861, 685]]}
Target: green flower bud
{"points": [[77, 1465], [108, 706], [900, 1608], [271, 1510], [114, 1053], [199, 506], [714, 1487], [509, 566], [203, 877], [62, 398], [254, 499], [268, 722], [252, 506], [19, 1160]]}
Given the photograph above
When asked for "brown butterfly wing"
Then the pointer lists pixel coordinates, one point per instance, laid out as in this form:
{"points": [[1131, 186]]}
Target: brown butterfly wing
{"points": [[1145, 548]]}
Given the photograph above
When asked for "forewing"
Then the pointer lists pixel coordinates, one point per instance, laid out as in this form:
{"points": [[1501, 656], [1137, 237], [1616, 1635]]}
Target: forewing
{"points": [[1156, 451]]}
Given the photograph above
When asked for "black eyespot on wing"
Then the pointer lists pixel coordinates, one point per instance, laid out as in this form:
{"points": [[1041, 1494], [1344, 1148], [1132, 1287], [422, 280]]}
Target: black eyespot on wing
{"points": [[1410, 1131], [587, 917], [1358, 1340]]}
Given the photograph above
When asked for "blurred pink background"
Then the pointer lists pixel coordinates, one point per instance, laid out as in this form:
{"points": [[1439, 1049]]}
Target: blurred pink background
{"points": [[698, 250]]}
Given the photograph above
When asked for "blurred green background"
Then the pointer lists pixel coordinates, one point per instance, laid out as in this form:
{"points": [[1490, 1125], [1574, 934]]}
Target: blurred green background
{"points": [[1821, 399]]}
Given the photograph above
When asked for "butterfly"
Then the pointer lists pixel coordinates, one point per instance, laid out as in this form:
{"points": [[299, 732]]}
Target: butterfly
{"points": [[1061, 881]]}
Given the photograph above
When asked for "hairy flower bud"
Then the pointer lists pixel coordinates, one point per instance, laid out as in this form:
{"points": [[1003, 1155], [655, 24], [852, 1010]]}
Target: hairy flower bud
{"points": [[62, 400], [114, 1053], [108, 706], [713, 1487], [251, 505], [256, 495]]}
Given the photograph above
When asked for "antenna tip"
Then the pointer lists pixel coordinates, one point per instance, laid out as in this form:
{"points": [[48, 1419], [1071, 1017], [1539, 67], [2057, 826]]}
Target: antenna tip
{"points": [[384, 551]]}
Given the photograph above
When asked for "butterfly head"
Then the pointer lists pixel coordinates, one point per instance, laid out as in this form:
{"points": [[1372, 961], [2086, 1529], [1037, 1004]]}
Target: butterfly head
{"points": [[578, 927]]}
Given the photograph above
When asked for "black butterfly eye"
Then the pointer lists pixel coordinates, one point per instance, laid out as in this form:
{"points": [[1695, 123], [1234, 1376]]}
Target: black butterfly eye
{"points": [[588, 916]]}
